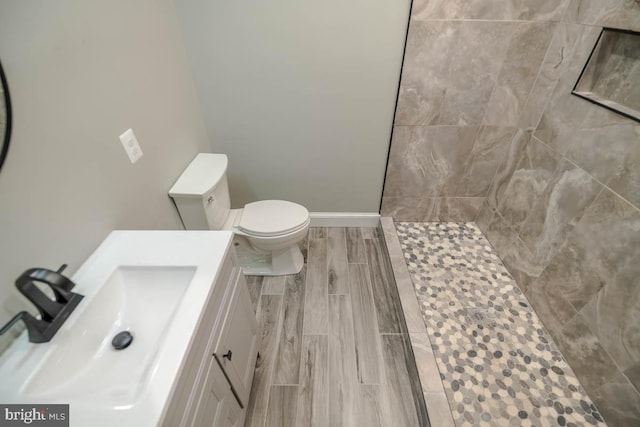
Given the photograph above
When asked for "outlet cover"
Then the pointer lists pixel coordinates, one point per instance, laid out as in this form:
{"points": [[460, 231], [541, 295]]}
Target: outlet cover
{"points": [[131, 145]]}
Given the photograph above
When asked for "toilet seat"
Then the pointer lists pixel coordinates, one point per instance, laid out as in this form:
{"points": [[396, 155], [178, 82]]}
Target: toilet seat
{"points": [[270, 218]]}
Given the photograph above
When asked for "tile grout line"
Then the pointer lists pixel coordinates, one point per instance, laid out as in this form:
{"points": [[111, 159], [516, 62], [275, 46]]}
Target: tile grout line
{"points": [[542, 62], [574, 164], [495, 173], [499, 71]]}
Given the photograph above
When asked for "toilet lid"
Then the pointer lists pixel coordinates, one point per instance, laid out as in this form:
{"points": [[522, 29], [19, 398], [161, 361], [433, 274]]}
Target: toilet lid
{"points": [[272, 217]]}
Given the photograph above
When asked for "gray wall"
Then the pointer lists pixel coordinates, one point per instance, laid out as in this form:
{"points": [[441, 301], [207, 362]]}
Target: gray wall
{"points": [[486, 125], [80, 74], [299, 95]]}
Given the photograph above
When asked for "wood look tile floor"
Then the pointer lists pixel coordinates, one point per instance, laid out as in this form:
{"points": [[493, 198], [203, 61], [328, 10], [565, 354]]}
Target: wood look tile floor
{"points": [[332, 349]]}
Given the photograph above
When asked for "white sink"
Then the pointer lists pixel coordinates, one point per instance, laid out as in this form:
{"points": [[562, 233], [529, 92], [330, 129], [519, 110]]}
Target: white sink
{"points": [[150, 283], [141, 300]]}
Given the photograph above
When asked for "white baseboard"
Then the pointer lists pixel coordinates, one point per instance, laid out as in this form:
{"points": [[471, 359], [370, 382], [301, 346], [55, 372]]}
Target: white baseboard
{"points": [[344, 219]]}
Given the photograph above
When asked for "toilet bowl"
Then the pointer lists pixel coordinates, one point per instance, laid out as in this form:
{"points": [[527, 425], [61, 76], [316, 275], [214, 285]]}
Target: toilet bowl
{"points": [[267, 232], [273, 228]]}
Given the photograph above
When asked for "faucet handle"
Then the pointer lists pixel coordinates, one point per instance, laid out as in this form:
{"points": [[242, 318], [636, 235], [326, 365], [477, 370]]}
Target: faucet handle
{"points": [[62, 286], [53, 313], [59, 284]]}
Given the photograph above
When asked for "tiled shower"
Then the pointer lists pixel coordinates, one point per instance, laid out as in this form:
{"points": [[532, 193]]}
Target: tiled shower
{"points": [[487, 130]]}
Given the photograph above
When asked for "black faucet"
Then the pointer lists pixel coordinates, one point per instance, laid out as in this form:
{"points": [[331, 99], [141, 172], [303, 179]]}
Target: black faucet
{"points": [[53, 312]]}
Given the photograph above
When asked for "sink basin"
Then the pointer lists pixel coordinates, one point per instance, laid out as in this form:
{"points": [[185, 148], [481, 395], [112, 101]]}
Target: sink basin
{"points": [[141, 300], [153, 284]]}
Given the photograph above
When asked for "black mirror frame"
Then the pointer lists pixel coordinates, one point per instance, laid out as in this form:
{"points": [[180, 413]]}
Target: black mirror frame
{"points": [[7, 133]]}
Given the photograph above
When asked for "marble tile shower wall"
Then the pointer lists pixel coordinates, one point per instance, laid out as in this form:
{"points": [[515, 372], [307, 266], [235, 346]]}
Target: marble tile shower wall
{"points": [[563, 212], [487, 129], [469, 68]]}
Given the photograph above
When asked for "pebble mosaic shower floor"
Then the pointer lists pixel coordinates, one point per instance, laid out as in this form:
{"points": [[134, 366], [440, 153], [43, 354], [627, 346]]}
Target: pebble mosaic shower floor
{"points": [[498, 365]]}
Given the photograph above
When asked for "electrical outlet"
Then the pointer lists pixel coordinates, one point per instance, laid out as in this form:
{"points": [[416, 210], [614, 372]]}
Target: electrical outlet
{"points": [[131, 145]]}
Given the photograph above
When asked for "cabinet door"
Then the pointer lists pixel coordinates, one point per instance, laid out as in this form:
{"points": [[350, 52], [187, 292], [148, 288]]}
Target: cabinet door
{"points": [[194, 373], [236, 350], [231, 416], [213, 404]]}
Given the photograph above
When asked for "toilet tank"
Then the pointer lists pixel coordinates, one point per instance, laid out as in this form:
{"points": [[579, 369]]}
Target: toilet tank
{"points": [[202, 194]]}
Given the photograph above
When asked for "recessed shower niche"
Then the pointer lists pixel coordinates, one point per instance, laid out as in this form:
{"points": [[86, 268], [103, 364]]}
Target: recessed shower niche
{"points": [[611, 76]]}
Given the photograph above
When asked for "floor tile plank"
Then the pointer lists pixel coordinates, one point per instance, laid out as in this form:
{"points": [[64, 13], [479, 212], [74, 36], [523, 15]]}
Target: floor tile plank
{"points": [[369, 232], [287, 369], [304, 247], [269, 321], [282, 407], [419, 405], [365, 324], [273, 285], [315, 304], [373, 410], [337, 270], [343, 376], [321, 356], [317, 232], [355, 246], [399, 391], [254, 283], [388, 308], [313, 393]]}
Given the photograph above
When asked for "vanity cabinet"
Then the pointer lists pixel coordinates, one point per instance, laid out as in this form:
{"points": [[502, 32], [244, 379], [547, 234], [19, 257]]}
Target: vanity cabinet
{"points": [[217, 406], [213, 386], [235, 349]]}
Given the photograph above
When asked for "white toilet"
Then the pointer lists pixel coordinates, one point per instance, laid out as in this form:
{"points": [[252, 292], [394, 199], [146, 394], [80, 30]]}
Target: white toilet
{"points": [[267, 232]]}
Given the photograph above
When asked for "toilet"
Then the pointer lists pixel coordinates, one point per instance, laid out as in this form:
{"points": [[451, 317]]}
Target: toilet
{"points": [[267, 232]]}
